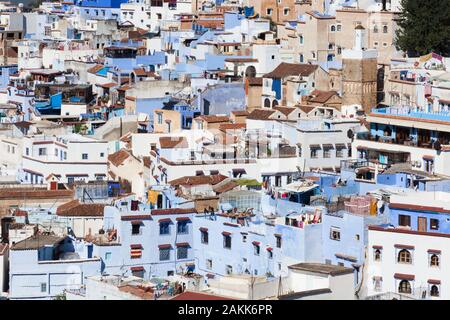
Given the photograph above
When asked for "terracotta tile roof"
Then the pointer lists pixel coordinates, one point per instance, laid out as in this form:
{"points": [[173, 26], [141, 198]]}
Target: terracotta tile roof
{"points": [[160, 212], [260, 114], [173, 142], [119, 157], [319, 96], [231, 126], [95, 68], [76, 209], [240, 113], [140, 72], [108, 85], [141, 292], [189, 295], [198, 180], [240, 60], [29, 193], [306, 109], [214, 119], [285, 110], [291, 69], [226, 186]]}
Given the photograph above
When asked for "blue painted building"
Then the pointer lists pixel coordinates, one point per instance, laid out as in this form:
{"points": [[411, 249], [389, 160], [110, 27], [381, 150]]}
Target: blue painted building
{"points": [[145, 242], [43, 266]]}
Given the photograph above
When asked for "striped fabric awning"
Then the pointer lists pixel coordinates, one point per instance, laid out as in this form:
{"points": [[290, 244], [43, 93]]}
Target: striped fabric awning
{"points": [[136, 251], [183, 219], [165, 246]]}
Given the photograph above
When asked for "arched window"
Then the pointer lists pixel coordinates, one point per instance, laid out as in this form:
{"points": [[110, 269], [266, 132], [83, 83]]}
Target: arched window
{"points": [[375, 29], [404, 256], [404, 287], [434, 261], [385, 29], [267, 103], [301, 39], [250, 72], [377, 255], [333, 28], [301, 58], [434, 292], [274, 103]]}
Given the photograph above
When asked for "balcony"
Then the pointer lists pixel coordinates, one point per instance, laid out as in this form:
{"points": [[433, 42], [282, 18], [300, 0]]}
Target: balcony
{"points": [[366, 136], [413, 114]]}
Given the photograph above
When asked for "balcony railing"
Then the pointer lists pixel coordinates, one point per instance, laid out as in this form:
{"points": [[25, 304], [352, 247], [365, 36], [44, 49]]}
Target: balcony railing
{"points": [[366, 136], [412, 113]]}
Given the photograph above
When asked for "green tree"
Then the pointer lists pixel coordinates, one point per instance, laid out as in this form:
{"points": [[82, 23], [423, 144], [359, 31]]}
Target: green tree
{"points": [[424, 26]]}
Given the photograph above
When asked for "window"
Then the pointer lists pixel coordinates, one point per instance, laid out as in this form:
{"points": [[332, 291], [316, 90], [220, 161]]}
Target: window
{"points": [[375, 44], [357, 237], [27, 151], [277, 181], [286, 11], [270, 254], [256, 249], [164, 254], [314, 153], [107, 256], [301, 58], [138, 273], [227, 241], [335, 233], [404, 256], [56, 152], [385, 29], [84, 156], [135, 228], [160, 118], [327, 152], [164, 228], [182, 227], [42, 151], [375, 29], [229, 269], [102, 154], [182, 252], [434, 224], [434, 291], [278, 240], [434, 260], [404, 220], [339, 152], [43, 287], [339, 27], [377, 255], [404, 287], [244, 238], [269, 11], [333, 28], [377, 284], [208, 264], [204, 237], [301, 39]]}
